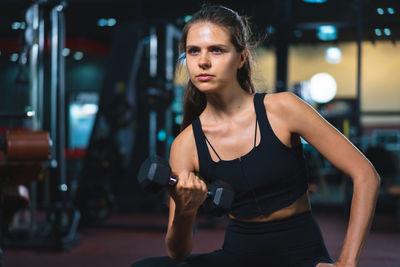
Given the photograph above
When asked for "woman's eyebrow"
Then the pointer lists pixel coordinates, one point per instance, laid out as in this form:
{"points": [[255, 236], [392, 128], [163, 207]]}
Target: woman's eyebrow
{"points": [[213, 45]]}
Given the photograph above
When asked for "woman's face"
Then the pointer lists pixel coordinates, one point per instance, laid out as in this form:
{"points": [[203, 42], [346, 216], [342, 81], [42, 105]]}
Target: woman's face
{"points": [[211, 58]]}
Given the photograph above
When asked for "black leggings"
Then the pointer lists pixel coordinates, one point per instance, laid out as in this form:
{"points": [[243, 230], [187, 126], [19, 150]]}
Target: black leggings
{"points": [[294, 241]]}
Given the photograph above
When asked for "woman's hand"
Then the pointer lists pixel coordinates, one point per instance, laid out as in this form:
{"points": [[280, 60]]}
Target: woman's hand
{"points": [[189, 193]]}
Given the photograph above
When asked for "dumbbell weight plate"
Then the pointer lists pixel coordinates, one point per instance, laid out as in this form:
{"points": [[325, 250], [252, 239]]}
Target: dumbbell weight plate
{"points": [[222, 198], [152, 174]]}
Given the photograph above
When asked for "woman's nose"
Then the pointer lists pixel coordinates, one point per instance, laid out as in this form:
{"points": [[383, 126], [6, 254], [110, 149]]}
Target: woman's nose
{"points": [[204, 61]]}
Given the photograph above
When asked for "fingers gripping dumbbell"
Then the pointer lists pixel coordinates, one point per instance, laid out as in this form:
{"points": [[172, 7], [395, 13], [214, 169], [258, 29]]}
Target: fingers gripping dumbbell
{"points": [[155, 174]]}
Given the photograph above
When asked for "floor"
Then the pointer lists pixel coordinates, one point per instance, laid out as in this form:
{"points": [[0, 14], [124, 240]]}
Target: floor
{"points": [[127, 238]]}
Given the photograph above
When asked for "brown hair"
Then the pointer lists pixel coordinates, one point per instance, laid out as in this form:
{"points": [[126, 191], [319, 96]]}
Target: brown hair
{"points": [[194, 101]]}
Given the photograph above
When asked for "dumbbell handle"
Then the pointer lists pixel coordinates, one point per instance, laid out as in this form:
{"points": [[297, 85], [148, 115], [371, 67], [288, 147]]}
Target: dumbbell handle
{"points": [[172, 181]]}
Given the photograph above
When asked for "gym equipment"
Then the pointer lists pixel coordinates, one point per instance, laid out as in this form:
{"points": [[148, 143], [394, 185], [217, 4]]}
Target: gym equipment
{"points": [[23, 145], [155, 174], [38, 157], [133, 107], [21, 160]]}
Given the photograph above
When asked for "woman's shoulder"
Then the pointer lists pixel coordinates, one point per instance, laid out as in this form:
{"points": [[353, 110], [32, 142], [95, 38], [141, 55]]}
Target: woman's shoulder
{"points": [[290, 109], [184, 139], [282, 101], [183, 148]]}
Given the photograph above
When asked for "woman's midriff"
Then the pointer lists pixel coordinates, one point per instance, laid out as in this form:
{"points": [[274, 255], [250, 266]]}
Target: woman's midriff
{"points": [[299, 206]]}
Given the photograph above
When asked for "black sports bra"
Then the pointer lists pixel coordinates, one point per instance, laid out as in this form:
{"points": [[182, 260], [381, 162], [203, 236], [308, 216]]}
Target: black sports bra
{"points": [[268, 178]]}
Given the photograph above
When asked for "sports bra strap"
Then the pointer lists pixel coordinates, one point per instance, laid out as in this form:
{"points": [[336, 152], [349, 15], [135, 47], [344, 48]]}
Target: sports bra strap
{"points": [[261, 113], [212, 147], [202, 149], [255, 134]]}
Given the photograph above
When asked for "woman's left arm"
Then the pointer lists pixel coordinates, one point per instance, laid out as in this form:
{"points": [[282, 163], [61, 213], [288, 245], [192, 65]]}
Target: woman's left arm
{"points": [[302, 119]]}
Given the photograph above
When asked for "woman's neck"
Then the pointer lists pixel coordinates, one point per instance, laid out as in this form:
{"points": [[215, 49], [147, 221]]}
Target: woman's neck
{"points": [[226, 105]]}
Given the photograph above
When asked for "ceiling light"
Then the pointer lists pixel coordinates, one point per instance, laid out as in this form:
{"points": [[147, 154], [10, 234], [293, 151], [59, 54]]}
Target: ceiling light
{"points": [[322, 87], [63, 187], [380, 11], [102, 22], [162, 135], [16, 25], [333, 55], [178, 119], [65, 52], [387, 31], [78, 55], [327, 33], [30, 113], [315, 1], [111, 22]]}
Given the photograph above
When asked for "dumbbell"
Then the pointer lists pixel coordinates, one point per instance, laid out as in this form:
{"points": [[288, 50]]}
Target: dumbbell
{"points": [[155, 174]]}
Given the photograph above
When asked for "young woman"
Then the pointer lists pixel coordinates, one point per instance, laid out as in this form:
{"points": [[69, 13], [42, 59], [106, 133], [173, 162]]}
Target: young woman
{"points": [[252, 141]]}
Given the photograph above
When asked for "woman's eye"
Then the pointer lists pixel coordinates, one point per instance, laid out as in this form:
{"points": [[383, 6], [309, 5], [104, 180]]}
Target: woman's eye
{"points": [[217, 50], [192, 51]]}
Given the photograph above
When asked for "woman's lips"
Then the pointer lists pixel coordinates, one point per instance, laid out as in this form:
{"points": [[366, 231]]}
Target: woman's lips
{"points": [[204, 78]]}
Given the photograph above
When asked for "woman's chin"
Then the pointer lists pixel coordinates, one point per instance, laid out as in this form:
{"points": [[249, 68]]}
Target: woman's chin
{"points": [[207, 88]]}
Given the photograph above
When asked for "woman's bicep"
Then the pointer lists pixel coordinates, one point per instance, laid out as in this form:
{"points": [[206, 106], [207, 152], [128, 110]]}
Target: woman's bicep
{"points": [[180, 159], [325, 138]]}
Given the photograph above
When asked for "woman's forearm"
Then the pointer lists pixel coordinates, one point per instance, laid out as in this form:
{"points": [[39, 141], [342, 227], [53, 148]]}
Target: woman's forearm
{"points": [[361, 214], [179, 238]]}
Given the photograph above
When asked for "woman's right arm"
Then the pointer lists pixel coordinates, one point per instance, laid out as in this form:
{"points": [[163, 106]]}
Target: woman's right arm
{"points": [[185, 198]]}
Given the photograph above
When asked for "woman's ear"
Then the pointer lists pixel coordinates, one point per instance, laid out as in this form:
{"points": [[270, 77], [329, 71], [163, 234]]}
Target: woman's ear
{"points": [[243, 56]]}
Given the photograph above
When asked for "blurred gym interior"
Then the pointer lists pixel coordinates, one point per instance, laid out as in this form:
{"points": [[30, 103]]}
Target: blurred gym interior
{"points": [[89, 89]]}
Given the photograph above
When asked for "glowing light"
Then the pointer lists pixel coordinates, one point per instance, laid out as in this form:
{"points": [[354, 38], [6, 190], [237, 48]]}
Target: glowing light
{"points": [[82, 111], [78, 55], [16, 25], [333, 55], [63, 187], [75, 111], [327, 33], [390, 11], [380, 11], [102, 22], [314, 1], [14, 57], [66, 52], [30, 113], [387, 31], [111, 22], [322, 87], [378, 32], [89, 109], [305, 91], [178, 119], [59, 8], [162, 135]]}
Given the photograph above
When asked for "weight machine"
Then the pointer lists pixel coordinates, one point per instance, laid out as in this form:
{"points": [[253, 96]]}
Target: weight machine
{"points": [[134, 108], [57, 230]]}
